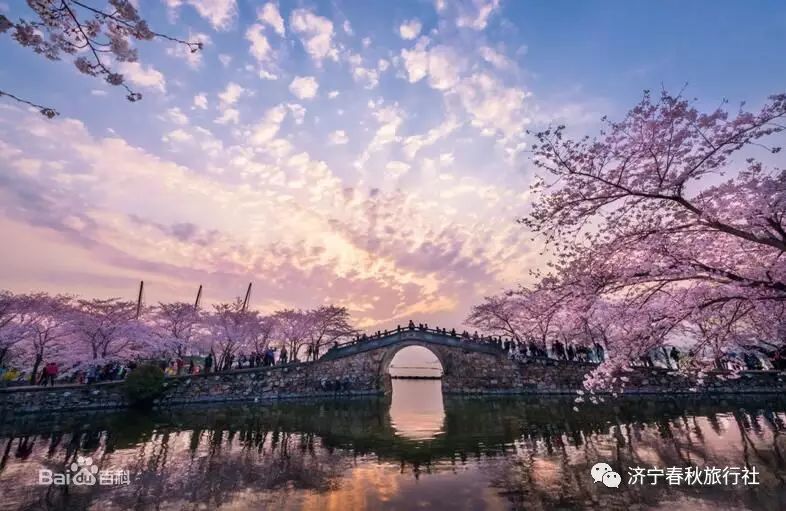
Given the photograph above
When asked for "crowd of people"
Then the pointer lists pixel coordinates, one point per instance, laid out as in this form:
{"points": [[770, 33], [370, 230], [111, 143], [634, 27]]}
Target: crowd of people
{"points": [[516, 349], [52, 372]]}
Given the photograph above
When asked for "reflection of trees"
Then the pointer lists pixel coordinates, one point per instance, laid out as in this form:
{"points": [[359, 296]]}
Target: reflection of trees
{"points": [[542, 449], [661, 437], [207, 466]]}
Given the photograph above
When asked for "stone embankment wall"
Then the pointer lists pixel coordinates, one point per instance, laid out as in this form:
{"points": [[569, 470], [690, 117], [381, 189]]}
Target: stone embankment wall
{"points": [[278, 382], [549, 376], [365, 373]]}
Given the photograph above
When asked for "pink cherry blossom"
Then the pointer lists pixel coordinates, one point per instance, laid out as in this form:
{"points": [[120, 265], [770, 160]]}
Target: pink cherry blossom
{"points": [[650, 244], [70, 27]]}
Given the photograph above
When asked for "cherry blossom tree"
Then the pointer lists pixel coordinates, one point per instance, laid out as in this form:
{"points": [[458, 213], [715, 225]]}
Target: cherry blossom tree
{"points": [[175, 325], [96, 35], [107, 329], [293, 329], [327, 324], [46, 322], [261, 332], [537, 315], [660, 231], [11, 331], [499, 315], [229, 329]]}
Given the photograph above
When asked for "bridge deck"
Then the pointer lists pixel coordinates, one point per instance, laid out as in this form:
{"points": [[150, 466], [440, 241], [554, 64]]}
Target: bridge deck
{"points": [[405, 335]]}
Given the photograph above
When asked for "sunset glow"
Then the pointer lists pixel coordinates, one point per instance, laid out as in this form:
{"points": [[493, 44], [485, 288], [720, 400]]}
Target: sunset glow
{"points": [[373, 158]]}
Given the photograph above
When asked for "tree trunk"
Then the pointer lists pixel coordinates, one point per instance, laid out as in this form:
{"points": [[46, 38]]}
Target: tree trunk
{"points": [[38, 359]]}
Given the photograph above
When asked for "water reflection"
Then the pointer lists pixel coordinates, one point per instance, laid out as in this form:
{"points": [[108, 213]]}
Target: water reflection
{"points": [[416, 408], [487, 454]]}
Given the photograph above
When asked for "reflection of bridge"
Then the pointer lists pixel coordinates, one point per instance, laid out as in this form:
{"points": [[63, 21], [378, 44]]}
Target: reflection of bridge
{"points": [[203, 455]]}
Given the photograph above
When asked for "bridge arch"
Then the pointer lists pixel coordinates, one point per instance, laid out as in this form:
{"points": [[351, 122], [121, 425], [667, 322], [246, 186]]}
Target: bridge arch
{"points": [[390, 354], [467, 366]]}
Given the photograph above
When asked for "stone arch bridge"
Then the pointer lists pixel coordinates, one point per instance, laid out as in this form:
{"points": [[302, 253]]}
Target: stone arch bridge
{"points": [[468, 366], [361, 368]]}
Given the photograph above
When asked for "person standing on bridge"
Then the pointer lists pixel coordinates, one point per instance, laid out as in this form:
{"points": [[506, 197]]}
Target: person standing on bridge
{"points": [[50, 373], [411, 325], [282, 357]]}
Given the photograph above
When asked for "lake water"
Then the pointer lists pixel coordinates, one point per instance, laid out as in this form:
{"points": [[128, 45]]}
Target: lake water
{"points": [[413, 451]]}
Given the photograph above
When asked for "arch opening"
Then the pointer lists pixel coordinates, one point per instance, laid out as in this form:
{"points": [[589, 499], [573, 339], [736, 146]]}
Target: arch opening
{"points": [[415, 362], [417, 410]]}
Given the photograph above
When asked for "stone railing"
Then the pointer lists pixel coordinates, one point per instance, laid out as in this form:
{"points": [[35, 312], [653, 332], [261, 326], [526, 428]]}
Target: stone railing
{"points": [[426, 335]]}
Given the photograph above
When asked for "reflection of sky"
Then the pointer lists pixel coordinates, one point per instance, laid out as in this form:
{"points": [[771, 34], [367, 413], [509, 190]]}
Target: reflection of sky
{"points": [[417, 411], [253, 467]]}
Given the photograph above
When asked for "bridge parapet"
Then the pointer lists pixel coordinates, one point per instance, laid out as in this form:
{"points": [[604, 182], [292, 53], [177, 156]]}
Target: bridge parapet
{"points": [[426, 336]]}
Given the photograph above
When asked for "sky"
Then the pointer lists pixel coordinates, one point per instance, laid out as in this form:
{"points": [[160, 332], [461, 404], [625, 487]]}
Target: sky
{"points": [[372, 155]]}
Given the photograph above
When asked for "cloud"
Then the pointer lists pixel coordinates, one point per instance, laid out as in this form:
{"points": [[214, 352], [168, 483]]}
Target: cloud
{"points": [[177, 116], [265, 130], [476, 15], [177, 135], [200, 101], [416, 61], [231, 94], [266, 75], [396, 169], [98, 92], [260, 48], [143, 76], [316, 34], [228, 199], [440, 64], [410, 29], [390, 119], [495, 58], [220, 13], [270, 212], [304, 87], [298, 112], [368, 77], [269, 14], [493, 108], [413, 144], [338, 137], [228, 116]]}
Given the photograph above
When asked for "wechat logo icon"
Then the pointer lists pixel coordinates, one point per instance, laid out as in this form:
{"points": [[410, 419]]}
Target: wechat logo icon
{"points": [[602, 472]]}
